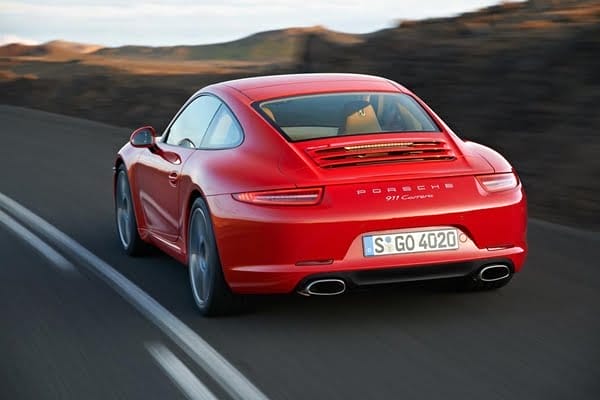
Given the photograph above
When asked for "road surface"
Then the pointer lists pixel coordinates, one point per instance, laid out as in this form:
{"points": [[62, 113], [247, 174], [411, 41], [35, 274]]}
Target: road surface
{"points": [[67, 334]]}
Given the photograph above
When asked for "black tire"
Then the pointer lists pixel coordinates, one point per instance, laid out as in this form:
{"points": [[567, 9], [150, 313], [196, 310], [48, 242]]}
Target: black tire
{"points": [[127, 227], [211, 293]]}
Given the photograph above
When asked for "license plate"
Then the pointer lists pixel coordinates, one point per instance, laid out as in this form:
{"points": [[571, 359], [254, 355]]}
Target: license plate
{"points": [[410, 242]]}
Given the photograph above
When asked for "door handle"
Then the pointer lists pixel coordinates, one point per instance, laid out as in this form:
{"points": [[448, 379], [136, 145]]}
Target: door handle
{"points": [[173, 177]]}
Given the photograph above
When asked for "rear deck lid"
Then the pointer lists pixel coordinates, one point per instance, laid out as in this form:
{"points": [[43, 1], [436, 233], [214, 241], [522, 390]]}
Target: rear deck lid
{"points": [[380, 157], [343, 155]]}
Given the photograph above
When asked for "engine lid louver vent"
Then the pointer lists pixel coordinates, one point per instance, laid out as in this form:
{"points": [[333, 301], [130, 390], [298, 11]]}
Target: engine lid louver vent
{"points": [[380, 153]]}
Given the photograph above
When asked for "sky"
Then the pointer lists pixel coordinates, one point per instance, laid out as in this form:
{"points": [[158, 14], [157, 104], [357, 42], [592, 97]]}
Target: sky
{"points": [[170, 22]]}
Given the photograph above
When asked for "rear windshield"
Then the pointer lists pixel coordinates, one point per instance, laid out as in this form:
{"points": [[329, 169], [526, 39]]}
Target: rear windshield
{"points": [[321, 116]]}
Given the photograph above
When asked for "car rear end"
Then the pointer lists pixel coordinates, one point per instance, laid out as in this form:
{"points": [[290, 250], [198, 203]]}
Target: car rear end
{"points": [[369, 206]]}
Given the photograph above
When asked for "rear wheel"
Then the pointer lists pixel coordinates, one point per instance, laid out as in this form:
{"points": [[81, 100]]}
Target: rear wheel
{"points": [[125, 216], [211, 293]]}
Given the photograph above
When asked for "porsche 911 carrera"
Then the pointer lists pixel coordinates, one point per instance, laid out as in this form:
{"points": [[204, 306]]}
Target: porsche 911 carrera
{"points": [[317, 184]]}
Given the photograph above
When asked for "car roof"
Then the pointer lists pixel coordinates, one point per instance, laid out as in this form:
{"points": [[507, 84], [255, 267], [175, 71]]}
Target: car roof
{"points": [[274, 86]]}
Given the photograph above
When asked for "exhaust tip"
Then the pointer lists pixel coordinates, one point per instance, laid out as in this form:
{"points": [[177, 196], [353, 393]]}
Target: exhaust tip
{"points": [[324, 287], [493, 273]]}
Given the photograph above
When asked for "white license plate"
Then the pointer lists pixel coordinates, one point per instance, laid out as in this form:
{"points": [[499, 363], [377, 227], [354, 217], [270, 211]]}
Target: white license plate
{"points": [[410, 242]]}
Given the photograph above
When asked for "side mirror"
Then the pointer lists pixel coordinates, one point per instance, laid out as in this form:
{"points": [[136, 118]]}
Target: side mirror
{"points": [[143, 137]]}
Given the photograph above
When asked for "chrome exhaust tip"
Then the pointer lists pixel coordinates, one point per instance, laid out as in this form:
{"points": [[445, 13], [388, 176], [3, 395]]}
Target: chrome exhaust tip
{"points": [[493, 273], [324, 287]]}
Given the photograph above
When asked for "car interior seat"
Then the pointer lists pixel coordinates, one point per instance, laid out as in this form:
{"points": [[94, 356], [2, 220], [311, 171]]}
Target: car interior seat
{"points": [[269, 113], [359, 117]]}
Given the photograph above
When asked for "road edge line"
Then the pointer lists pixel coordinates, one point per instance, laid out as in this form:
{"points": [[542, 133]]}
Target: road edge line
{"points": [[192, 387], [34, 241], [215, 365]]}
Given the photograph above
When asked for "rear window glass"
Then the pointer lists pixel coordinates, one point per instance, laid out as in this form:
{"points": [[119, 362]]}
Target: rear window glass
{"points": [[320, 116]]}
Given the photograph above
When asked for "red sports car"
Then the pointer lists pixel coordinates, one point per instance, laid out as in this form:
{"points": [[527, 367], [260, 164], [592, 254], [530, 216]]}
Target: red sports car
{"points": [[317, 183]]}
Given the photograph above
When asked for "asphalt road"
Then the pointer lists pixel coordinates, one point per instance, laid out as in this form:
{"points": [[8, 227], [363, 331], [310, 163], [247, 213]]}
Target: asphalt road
{"points": [[69, 335]]}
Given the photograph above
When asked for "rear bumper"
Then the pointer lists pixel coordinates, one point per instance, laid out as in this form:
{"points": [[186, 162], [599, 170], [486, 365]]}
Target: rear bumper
{"points": [[372, 277], [288, 278], [275, 249]]}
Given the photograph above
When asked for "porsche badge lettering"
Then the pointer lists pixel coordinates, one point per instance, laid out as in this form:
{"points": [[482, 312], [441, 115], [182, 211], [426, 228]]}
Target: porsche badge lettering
{"points": [[406, 192]]}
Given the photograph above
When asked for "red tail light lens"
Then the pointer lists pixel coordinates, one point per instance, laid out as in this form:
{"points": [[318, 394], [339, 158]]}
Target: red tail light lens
{"points": [[286, 197], [498, 182]]}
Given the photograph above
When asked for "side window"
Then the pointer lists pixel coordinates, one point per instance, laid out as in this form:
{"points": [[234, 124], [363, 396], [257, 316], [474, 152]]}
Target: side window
{"points": [[190, 126], [224, 131]]}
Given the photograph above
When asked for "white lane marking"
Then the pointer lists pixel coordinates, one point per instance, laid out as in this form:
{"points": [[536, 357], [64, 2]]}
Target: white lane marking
{"points": [[38, 244], [215, 365], [176, 370]]}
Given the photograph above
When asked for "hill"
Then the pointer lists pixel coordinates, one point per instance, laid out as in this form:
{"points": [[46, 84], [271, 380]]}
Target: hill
{"points": [[271, 46], [55, 49], [276, 45]]}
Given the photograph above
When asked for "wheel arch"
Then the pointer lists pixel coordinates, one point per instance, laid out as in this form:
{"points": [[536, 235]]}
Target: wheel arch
{"points": [[139, 214], [195, 194], [118, 163]]}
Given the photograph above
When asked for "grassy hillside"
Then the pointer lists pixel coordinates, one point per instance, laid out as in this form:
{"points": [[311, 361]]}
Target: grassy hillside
{"points": [[277, 45], [56, 49], [270, 46]]}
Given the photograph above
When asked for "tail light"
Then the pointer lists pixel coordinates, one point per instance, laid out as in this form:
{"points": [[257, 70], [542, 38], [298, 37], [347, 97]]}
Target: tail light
{"points": [[498, 182], [286, 197]]}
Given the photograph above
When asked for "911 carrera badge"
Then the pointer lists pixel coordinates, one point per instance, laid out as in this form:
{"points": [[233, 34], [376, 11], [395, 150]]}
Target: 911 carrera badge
{"points": [[409, 197]]}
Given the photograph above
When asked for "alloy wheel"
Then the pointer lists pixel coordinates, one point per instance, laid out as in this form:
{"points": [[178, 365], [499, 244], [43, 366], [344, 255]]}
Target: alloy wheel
{"points": [[199, 259], [124, 210]]}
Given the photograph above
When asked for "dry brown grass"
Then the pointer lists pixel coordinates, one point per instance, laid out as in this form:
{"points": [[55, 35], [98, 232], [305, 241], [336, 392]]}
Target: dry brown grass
{"points": [[165, 67], [536, 24], [587, 13], [7, 75]]}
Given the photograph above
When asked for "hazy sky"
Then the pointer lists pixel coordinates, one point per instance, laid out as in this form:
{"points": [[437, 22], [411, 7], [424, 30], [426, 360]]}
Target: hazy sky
{"points": [[117, 22]]}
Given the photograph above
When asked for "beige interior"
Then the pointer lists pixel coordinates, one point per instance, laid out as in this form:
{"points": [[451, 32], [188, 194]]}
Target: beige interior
{"points": [[269, 113], [412, 124], [361, 121]]}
